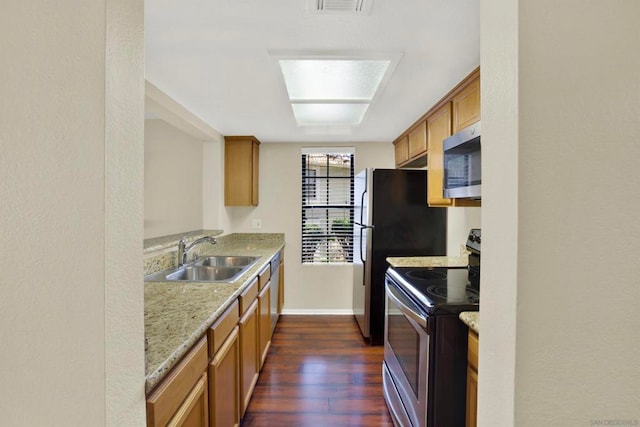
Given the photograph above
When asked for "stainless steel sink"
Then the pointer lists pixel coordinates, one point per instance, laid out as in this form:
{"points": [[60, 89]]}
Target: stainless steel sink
{"points": [[204, 274], [209, 269], [226, 261]]}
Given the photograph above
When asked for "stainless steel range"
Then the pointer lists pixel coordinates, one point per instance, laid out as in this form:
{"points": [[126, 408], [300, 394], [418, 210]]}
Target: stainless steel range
{"points": [[424, 368]]}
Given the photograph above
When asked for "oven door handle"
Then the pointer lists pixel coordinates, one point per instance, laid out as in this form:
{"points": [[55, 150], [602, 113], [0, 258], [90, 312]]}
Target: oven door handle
{"points": [[407, 307]]}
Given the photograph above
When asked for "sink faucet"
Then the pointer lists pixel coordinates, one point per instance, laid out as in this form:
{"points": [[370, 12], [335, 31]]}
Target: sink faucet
{"points": [[184, 249]]}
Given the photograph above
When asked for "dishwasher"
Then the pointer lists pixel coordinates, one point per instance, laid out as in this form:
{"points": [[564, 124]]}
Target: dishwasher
{"points": [[275, 289]]}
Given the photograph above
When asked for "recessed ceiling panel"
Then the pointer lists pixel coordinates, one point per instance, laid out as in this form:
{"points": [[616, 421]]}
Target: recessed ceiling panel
{"points": [[329, 114], [322, 79]]}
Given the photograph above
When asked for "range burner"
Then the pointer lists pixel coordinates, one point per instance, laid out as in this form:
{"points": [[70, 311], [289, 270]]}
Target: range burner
{"points": [[455, 294], [427, 275]]}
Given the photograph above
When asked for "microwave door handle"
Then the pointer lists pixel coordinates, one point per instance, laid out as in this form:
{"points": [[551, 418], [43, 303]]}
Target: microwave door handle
{"points": [[405, 307]]}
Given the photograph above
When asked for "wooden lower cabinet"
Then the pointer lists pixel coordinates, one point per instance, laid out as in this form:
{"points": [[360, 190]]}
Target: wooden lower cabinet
{"points": [[472, 380], [281, 288], [224, 383], [264, 310], [181, 398], [194, 411], [212, 385], [249, 354]]}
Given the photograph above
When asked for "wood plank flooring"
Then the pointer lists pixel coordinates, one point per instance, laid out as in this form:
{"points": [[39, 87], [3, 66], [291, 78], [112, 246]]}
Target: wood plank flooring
{"points": [[319, 372]]}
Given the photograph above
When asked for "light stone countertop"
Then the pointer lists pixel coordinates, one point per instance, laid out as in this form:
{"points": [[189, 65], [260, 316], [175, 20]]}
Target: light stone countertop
{"points": [[429, 261], [178, 314], [472, 320]]}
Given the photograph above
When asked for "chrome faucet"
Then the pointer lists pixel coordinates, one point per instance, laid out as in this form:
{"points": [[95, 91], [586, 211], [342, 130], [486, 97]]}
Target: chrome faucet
{"points": [[184, 249]]}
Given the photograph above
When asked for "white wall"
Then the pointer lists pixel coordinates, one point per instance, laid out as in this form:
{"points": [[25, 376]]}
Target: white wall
{"points": [[459, 222], [173, 180], [559, 338], [317, 288], [213, 216], [71, 300]]}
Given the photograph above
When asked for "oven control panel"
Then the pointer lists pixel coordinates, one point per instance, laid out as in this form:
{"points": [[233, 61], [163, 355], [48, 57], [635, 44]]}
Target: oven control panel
{"points": [[474, 240]]}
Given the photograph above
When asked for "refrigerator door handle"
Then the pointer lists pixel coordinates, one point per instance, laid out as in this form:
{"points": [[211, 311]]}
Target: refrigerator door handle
{"points": [[364, 193], [363, 227]]}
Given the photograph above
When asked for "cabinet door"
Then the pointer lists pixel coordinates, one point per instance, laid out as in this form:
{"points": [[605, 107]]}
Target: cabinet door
{"points": [[418, 140], [281, 288], [194, 411], [255, 169], [402, 150], [264, 310], [241, 171], [438, 128], [466, 105], [249, 356], [472, 379], [224, 383], [472, 397], [167, 401]]}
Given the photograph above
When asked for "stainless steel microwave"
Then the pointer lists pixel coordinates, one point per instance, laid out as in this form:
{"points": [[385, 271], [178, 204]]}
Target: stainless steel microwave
{"points": [[462, 164]]}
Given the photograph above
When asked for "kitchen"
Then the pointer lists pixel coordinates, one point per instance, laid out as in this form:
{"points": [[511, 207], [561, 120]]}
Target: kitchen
{"points": [[535, 215]]}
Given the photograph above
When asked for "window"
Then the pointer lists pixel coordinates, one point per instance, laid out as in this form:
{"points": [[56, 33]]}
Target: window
{"points": [[327, 205]]}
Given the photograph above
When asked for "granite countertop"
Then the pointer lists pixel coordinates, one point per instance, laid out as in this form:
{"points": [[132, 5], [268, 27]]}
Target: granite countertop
{"points": [[472, 320], [177, 314], [429, 261]]}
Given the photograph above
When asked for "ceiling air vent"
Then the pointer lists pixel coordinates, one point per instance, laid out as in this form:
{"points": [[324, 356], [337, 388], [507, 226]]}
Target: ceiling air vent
{"points": [[342, 7]]}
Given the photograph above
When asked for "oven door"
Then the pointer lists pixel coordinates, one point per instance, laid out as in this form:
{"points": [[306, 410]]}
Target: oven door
{"points": [[406, 358]]}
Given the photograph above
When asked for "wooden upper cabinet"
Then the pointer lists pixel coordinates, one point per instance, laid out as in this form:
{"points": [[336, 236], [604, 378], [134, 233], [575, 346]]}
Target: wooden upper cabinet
{"points": [[241, 170], [438, 128], [421, 144], [466, 105], [411, 147], [418, 140], [401, 147]]}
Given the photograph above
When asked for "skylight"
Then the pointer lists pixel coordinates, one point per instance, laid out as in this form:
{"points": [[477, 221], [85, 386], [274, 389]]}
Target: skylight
{"points": [[329, 90], [344, 79]]}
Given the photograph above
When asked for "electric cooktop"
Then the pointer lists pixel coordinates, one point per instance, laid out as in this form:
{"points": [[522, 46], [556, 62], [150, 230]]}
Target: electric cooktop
{"points": [[438, 290]]}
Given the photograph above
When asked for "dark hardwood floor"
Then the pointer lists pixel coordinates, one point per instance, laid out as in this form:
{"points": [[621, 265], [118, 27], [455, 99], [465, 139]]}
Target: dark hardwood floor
{"points": [[319, 372]]}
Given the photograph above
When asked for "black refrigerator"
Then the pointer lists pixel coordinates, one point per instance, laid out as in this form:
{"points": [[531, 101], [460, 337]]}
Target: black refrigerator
{"points": [[391, 218]]}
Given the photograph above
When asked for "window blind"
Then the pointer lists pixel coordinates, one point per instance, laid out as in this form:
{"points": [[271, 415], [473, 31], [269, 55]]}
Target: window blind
{"points": [[327, 206]]}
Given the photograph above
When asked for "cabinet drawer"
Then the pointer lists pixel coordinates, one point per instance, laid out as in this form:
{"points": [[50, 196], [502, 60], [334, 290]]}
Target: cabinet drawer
{"points": [[264, 276], [163, 403], [472, 351], [248, 296], [221, 329]]}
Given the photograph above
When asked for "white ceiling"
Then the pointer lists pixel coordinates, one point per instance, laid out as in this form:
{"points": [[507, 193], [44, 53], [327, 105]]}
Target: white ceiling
{"points": [[212, 57]]}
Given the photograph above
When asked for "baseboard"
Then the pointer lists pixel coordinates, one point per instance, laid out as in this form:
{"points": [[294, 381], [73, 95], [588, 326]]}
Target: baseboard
{"points": [[317, 311]]}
